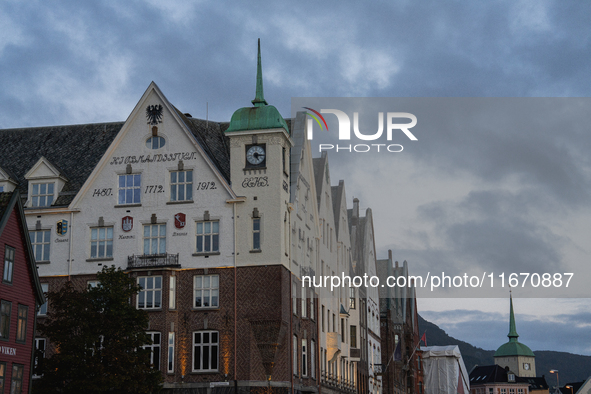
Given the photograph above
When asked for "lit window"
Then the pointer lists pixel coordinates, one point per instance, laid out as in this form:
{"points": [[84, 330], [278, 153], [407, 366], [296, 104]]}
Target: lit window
{"points": [[101, 242], [206, 291], [154, 238], [40, 244], [42, 194], [181, 185], [16, 386], [150, 296], [21, 325], [130, 189], [205, 351], [8, 264], [170, 367], [172, 292], [208, 237], [2, 375], [156, 142], [38, 357], [256, 234], [154, 349], [5, 309], [352, 298], [43, 308]]}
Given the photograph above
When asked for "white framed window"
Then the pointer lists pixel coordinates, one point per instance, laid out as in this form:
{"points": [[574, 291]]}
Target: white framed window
{"points": [[304, 357], [150, 296], [154, 349], [304, 303], [170, 366], [154, 238], [208, 236], [172, 293], [40, 243], [92, 284], [313, 359], [206, 291], [16, 385], [256, 233], [312, 305], [295, 355], [155, 142], [21, 323], [181, 185], [42, 194], [130, 189], [351, 298], [294, 298], [38, 356], [205, 351], [43, 308], [101, 242], [8, 264]]}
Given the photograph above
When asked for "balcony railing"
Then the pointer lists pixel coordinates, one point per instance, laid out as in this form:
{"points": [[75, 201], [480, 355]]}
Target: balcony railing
{"points": [[337, 382], [153, 261]]}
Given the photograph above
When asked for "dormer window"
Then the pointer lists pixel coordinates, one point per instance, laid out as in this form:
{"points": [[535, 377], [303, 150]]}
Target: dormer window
{"points": [[42, 194], [45, 182]]}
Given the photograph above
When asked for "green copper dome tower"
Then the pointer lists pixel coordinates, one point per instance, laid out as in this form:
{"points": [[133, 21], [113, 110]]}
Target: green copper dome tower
{"points": [[261, 116], [514, 354]]}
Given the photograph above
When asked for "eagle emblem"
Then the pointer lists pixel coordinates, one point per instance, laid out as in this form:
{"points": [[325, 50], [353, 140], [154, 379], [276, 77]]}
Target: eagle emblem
{"points": [[154, 114]]}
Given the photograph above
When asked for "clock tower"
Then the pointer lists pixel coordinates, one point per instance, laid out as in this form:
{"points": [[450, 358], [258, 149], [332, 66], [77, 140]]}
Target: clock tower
{"points": [[514, 354], [260, 144]]}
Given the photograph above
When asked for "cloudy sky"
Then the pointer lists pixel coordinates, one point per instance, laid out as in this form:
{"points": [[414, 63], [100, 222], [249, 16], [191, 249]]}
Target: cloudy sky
{"points": [[492, 192]]}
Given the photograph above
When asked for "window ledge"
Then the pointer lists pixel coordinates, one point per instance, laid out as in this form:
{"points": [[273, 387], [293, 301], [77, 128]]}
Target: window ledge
{"points": [[180, 202], [92, 260], [256, 251], [127, 205], [43, 262], [206, 254], [207, 308]]}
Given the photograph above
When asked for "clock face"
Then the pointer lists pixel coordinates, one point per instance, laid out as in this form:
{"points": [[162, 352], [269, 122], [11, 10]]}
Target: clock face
{"points": [[255, 155], [526, 366]]}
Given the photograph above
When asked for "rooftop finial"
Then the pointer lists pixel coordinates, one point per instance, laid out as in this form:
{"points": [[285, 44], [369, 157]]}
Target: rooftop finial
{"points": [[259, 99], [512, 330]]}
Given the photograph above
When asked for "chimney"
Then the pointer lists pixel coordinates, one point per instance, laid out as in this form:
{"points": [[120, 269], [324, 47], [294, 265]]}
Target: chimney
{"points": [[355, 216], [396, 264], [390, 254]]}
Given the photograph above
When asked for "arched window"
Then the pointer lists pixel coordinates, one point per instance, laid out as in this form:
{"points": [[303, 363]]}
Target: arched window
{"points": [[155, 142]]}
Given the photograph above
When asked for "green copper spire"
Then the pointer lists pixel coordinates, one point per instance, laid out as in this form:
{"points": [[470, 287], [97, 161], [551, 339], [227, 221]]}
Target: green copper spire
{"points": [[513, 347], [259, 99], [260, 116], [512, 330]]}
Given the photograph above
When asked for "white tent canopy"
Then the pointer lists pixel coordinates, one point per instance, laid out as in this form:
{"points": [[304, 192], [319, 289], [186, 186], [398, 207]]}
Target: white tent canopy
{"points": [[443, 366]]}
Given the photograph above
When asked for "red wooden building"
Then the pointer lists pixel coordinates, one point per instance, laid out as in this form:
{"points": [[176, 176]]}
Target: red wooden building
{"points": [[20, 296]]}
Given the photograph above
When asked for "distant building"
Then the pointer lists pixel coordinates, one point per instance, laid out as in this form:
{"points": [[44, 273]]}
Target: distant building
{"points": [[494, 379], [445, 371], [20, 297], [514, 354]]}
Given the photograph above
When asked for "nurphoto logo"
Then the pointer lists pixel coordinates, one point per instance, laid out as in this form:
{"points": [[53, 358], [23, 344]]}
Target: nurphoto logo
{"points": [[344, 131]]}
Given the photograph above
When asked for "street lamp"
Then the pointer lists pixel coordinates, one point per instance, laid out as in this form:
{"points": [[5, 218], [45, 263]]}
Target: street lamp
{"points": [[557, 381], [568, 386]]}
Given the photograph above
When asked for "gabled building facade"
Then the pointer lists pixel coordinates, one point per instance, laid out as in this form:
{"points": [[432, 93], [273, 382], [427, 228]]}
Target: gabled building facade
{"points": [[220, 224], [20, 297]]}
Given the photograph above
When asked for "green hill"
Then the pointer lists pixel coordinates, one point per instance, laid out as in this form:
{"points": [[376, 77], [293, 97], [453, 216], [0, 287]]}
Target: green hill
{"points": [[572, 367]]}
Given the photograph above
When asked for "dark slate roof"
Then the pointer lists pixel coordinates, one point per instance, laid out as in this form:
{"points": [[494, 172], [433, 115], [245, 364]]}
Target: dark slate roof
{"points": [[210, 136], [319, 166], [576, 387], [488, 374], [75, 150], [537, 383]]}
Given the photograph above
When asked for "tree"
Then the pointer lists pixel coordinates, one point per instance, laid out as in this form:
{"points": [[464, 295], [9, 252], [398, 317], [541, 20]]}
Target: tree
{"points": [[98, 337]]}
